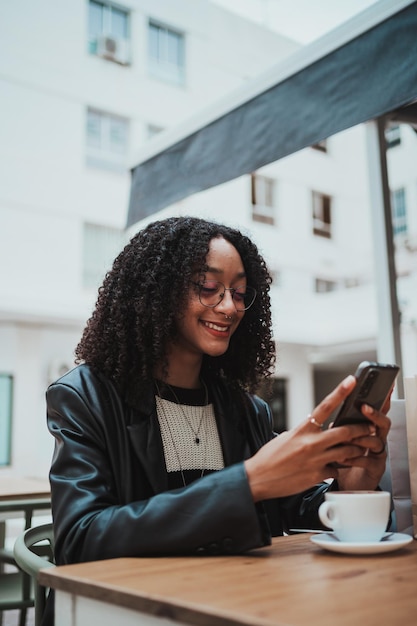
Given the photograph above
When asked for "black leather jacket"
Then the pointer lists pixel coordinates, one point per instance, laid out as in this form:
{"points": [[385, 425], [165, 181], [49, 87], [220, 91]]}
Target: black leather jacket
{"points": [[110, 495]]}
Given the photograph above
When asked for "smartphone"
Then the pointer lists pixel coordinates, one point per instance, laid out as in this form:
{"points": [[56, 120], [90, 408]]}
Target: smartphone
{"points": [[374, 383]]}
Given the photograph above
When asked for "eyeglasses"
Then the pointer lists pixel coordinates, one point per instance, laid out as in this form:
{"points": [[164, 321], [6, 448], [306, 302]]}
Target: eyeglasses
{"points": [[211, 293]]}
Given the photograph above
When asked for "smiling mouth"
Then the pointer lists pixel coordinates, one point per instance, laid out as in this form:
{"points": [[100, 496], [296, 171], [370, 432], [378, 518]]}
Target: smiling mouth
{"points": [[220, 329]]}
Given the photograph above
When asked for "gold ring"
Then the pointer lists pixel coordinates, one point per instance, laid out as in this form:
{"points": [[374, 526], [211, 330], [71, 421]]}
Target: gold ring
{"points": [[315, 422]]}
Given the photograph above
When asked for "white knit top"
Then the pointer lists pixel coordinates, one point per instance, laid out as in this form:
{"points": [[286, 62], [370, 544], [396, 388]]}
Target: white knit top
{"points": [[180, 425]]}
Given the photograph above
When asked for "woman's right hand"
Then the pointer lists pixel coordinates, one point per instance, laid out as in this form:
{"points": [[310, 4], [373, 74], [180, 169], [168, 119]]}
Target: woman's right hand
{"points": [[300, 458]]}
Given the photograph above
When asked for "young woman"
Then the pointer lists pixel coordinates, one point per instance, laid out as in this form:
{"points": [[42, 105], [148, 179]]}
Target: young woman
{"points": [[161, 446]]}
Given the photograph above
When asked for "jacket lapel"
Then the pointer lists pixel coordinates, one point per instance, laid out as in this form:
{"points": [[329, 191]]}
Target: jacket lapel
{"points": [[145, 437], [229, 415]]}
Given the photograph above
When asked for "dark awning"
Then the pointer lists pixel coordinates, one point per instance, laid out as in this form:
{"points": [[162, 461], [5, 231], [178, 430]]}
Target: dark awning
{"points": [[360, 71]]}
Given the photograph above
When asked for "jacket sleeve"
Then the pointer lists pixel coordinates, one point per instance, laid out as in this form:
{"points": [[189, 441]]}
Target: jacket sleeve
{"points": [[93, 517], [297, 511]]}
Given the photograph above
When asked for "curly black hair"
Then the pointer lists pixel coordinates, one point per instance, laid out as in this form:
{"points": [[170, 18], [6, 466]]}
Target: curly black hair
{"points": [[134, 318]]}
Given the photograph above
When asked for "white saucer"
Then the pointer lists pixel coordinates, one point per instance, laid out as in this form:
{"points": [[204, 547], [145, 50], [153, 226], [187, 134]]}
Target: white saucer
{"points": [[329, 542]]}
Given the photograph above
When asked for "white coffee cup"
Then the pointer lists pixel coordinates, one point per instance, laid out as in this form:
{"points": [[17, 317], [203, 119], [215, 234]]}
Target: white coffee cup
{"points": [[356, 516]]}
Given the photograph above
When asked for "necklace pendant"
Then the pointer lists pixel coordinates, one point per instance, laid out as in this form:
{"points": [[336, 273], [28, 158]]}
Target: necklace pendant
{"points": [[197, 440]]}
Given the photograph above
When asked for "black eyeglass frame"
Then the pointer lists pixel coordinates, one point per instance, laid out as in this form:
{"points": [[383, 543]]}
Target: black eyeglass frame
{"points": [[234, 290]]}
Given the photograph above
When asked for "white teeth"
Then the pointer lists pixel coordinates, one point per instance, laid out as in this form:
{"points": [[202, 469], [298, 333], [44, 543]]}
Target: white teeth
{"points": [[221, 329]]}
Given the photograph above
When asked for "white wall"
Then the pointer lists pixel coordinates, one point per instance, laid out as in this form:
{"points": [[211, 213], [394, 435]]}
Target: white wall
{"points": [[48, 81], [293, 365], [28, 352]]}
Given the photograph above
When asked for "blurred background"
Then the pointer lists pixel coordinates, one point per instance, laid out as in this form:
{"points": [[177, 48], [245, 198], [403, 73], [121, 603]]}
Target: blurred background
{"points": [[85, 85]]}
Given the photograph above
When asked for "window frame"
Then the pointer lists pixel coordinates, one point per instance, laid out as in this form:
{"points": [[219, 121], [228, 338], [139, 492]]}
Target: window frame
{"points": [[322, 214], [159, 65], [263, 198], [94, 248], [325, 285], [107, 30], [102, 155], [399, 212], [393, 136]]}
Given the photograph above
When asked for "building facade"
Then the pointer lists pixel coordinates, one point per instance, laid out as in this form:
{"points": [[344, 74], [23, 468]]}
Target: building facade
{"points": [[83, 85]]}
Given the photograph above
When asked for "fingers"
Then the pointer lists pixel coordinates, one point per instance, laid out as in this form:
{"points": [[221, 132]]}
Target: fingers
{"points": [[322, 412], [371, 445], [378, 442], [338, 445], [315, 422], [343, 455], [336, 436], [378, 425], [382, 450], [326, 407], [387, 404], [346, 444], [378, 418]]}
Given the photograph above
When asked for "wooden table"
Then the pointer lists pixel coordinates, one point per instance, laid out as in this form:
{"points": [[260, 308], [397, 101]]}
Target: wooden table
{"points": [[18, 488], [291, 583]]}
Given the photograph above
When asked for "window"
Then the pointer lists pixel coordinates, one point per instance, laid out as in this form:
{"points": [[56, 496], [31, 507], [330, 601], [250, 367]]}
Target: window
{"points": [[107, 140], [263, 199], [351, 282], [399, 212], [324, 286], [322, 214], [108, 31], [166, 53], [101, 245], [392, 136], [6, 393], [275, 393]]}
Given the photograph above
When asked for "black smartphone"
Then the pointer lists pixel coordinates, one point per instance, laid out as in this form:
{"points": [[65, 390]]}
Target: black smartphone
{"points": [[375, 381]]}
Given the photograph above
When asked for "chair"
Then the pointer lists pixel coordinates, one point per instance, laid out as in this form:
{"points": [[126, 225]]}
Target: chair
{"points": [[33, 551], [16, 589]]}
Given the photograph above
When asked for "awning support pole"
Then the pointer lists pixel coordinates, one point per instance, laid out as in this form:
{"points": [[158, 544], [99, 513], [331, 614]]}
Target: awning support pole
{"points": [[389, 337]]}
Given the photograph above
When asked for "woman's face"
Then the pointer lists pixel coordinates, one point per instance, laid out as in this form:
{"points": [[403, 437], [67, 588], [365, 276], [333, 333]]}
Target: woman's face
{"points": [[204, 330]]}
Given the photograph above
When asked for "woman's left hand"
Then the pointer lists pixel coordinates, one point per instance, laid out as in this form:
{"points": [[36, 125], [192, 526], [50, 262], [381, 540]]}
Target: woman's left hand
{"points": [[365, 472]]}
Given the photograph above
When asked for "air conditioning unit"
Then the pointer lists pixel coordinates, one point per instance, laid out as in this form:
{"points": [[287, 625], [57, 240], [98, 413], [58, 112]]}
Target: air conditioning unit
{"points": [[113, 49]]}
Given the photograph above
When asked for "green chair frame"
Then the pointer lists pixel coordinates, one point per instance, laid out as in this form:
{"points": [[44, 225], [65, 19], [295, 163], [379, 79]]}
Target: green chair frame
{"points": [[33, 551], [16, 588]]}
